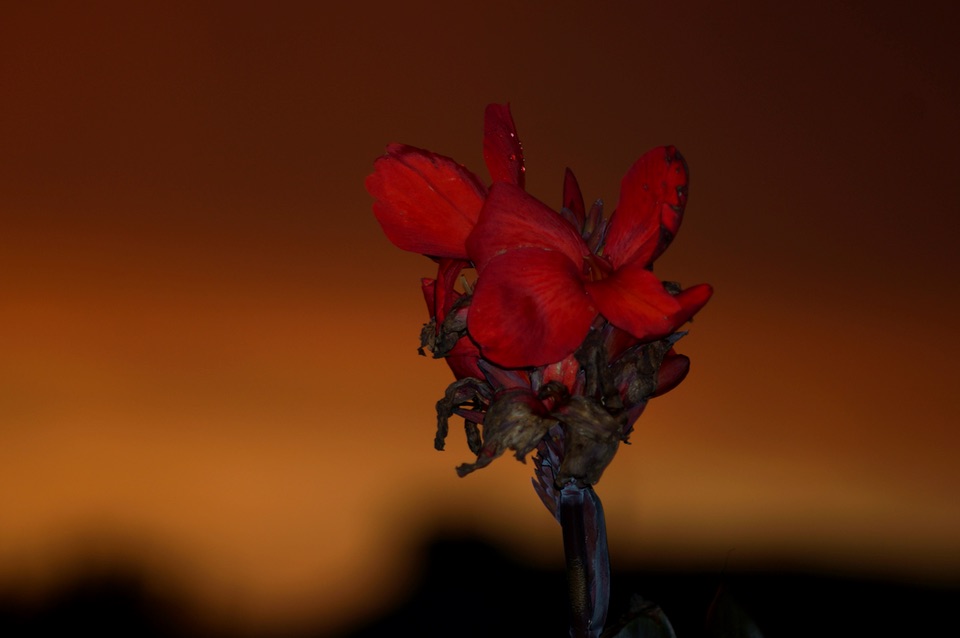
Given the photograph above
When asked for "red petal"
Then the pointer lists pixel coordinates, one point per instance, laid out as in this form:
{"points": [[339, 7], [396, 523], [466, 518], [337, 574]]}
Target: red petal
{"points": [[428, 287], [573, 197], [634, 299], [617, 342], [672, 371], [512, 219], [653, 195], [529, 308], [426, 203], [692, 300], [463, 359], [565, 372], [501, 146], [447, 273]]}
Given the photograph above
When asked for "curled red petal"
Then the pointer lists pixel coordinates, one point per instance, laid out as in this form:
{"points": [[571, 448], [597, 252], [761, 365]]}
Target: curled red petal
{"points": [[691, 300], [447, 272], [573, 197], [425, 203], [464, 359], [513, 219], [633, 299], [529, 308], [502, 151], [429, 288], [673, 370], [653, 195]]}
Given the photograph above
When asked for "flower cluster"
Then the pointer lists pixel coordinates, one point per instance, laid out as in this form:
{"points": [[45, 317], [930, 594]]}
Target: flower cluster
{"points": [[565, 333]]}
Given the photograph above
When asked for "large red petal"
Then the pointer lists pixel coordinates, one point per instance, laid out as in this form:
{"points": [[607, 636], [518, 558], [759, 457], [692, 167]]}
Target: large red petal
{"points": [[653, 195], [633, 299], [529, 308], [426, 203], [513, 219], [501, 146]]}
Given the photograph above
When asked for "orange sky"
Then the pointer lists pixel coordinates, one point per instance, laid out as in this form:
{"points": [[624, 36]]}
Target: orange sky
{"points": [[209, 361]]}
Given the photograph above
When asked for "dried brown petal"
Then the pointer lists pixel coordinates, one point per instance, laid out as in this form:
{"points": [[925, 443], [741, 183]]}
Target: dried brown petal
{"points": [[440, 340], [428, 337], [636, 372], [454, 327], [515, 420], [459, 392], [600, 381], [591, 438]]}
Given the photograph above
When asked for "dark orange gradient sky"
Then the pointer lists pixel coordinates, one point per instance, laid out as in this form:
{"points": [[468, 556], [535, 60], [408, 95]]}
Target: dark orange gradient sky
{"points": [[209, 349]]}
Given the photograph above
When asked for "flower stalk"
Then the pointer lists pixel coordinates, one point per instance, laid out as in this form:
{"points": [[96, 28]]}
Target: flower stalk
{"points": [[587, 559]]}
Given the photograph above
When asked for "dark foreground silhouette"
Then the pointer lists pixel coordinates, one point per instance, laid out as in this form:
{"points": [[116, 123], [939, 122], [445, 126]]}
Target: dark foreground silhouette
{"points": [[469, 588]]}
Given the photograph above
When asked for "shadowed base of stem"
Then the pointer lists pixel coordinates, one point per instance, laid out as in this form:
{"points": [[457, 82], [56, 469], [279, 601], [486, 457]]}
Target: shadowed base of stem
{"points": [[587, 559]]}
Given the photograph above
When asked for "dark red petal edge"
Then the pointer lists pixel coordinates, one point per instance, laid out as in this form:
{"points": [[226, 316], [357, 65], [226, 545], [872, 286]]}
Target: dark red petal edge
{"points": [[653, 195], [573, 198], [502, 150]]}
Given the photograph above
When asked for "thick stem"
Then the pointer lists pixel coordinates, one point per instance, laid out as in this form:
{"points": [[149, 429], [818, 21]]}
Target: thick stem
{"points": [[587, 558]]}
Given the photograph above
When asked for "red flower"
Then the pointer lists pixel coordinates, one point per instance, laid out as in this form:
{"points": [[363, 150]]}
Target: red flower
{"points": [[540, 286], [566, 333]]}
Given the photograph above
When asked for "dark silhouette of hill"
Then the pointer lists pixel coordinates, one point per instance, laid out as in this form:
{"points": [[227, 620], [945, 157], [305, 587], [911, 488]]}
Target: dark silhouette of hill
{"points": [[469, 588]]}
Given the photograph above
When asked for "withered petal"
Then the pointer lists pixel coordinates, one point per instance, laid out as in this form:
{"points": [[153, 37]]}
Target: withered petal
{"points": [[516, 420], [591, 438]]}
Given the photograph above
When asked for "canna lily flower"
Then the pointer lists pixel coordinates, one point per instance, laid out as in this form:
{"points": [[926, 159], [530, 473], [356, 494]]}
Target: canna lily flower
{"points": [[566, 325], [566, 333], [541, 286]]}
